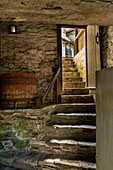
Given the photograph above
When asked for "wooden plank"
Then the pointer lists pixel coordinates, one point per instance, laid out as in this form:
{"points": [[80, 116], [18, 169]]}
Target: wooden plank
{"points": [[104, 119], [0, 39], [93, 55], [79, 34], [59, 55]]}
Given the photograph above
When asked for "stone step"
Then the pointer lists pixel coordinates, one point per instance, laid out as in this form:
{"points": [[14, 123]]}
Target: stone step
{"points": [[71, 78], [77, 99], [72, 132], [68, 65], [62, 164], [75, 91], [68, 149], [74, 84], [67, 58], [22, 159], [70, 73], [67, 61], [75, 107], [73, 119], [67, 69], [71, 149]]}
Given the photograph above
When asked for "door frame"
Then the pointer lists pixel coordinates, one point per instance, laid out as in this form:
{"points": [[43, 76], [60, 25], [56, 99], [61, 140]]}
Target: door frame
{"points": [[93, 54], [59, 48]]}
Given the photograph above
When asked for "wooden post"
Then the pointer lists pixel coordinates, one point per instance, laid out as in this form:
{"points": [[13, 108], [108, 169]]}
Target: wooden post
{"points": [[75, 44], [0, 39], [56, 91], [59, 55]]}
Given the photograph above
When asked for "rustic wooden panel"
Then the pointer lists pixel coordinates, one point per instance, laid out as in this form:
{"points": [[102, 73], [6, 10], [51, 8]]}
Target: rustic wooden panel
{"points": [[93, 55], [105, 119]]}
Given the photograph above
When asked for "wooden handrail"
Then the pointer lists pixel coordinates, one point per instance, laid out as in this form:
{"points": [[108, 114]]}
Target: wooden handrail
{"points": [[79, 34], [50, 86]]}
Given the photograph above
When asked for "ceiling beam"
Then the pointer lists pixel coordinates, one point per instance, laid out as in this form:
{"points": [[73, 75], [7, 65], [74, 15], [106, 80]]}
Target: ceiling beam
{"points": [[74, 12]]}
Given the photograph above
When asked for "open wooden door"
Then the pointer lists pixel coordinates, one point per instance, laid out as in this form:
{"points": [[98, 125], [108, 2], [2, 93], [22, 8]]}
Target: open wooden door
{"points": [[93, 54], [104, 119]]}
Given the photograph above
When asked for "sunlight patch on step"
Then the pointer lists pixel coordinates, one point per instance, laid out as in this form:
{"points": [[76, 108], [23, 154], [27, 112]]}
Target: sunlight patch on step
{"points": [[76, 95], [72, 163], [79, 104], [75, 126], [76, 114], [35, 144], [72, 142]]}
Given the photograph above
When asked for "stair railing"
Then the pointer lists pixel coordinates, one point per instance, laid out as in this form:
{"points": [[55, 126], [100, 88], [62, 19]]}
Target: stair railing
{"points": [[55, 83], [79, 34]]}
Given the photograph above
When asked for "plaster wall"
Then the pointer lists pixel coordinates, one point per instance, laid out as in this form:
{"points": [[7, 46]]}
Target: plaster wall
{"points": [[81, 41], [80, 61]]}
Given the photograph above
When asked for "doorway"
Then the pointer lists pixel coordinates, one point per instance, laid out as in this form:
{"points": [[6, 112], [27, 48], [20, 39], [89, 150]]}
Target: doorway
{"points": [[73, 50], [81, 44]]}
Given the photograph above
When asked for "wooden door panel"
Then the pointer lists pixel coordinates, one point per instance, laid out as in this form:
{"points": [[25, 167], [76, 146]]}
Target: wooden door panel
{"points": [[104, 119], [93, 54]]}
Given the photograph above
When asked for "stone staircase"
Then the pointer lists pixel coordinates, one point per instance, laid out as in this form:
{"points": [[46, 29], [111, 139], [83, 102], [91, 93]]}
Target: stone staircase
{"points": [[70, 142]]}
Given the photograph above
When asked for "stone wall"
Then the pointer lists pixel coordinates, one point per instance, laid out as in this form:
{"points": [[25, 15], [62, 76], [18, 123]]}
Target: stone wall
{"points": [[19, 127], [33, 49], [80, 61], [107, 46]]}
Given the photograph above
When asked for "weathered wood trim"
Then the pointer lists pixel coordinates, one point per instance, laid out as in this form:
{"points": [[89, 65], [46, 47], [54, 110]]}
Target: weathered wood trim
{"points": [[79, 34], [86, 58], [0, 39], [93, 54], [59, 55]]}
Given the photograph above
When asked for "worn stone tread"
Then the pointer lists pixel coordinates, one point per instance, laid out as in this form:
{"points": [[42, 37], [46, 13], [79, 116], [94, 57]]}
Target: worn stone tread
{"points": [[73, 142], [72, 69], [67, 61], [73, 84], [70, 73], [71, 78], [68, 65], [77, 98], [68, 164], [76, 107], [75, 91], [73, 118], [77, 114], [68, 149], [73, 132], [65, 141], [75, 126]]}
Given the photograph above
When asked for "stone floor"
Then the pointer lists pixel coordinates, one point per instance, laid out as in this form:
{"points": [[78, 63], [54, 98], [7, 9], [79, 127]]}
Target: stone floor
{"points": [[22, 160]]}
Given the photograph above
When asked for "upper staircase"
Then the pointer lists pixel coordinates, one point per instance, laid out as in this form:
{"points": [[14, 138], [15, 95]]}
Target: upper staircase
{"points": [[71, 137]]}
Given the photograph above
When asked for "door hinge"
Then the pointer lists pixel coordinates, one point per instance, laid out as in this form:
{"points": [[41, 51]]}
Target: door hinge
{"points": [[97, 38]]}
